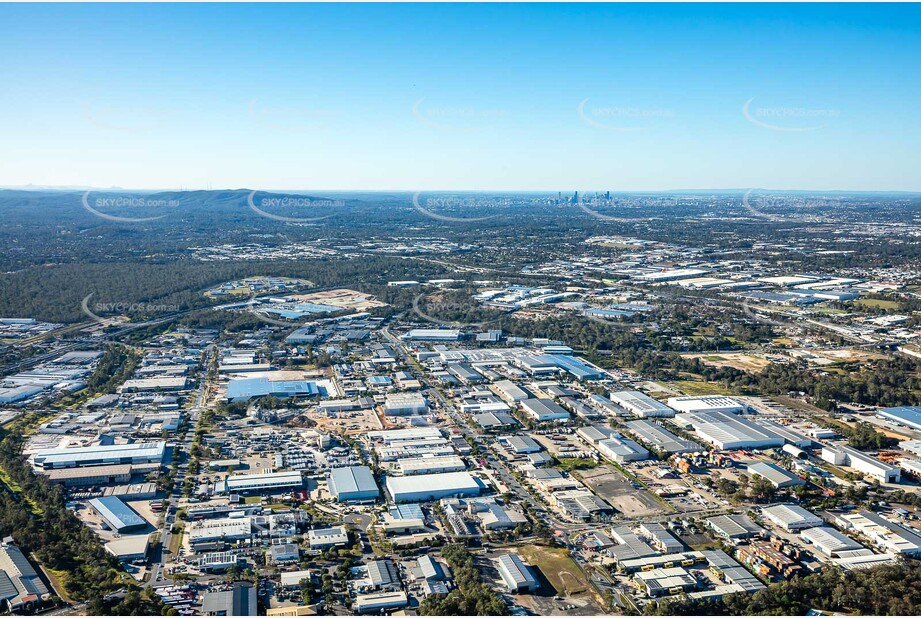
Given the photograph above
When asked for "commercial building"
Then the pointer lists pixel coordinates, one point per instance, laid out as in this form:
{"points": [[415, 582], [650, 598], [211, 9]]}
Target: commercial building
{"points": [[727, 431], [580, 504], [661, 538], [432, 334], [629, 545], [117, 515], [395, 436], [829, 541], [253, 483], [430, 569], [284, 552], [218, 561], [293, 579], [707, 403], [93, 475], [131, 548], [226, 529], [658, 582], [871, 466], [431, 464], [510, 392], [494, 420], [621, 450], [661, 439], [543, 410], [428, 487], [777, 476], [249, 388], [352, 483], [791, 517], [660, 561], [910, 416], [887, 535], [577, 367], [19, 393], [383, 574], [731, 572], [521, 445], [734, 527], [324, 538], [405, 404], [593, 434], [240, 600], [21, 588], [379, 601], [155, 384], [136, 454], [641, 405], [403, 518], [793, 437], [517, 576]]}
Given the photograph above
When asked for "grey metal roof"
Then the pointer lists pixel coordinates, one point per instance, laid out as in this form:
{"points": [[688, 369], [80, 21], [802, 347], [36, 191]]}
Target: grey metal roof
{"points": [[353, 479]]}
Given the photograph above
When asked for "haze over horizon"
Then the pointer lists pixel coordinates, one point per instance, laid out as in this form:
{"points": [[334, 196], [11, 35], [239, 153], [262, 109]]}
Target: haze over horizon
{"points": [[461, 97]]}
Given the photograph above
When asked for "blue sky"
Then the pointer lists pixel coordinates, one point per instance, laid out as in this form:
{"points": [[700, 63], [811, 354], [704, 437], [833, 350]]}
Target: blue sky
{"points": [[464, 97]]}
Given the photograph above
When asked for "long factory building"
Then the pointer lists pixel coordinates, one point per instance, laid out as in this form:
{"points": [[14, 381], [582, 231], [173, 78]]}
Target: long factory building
{"points": [[115, 454], [660, 438], [641, 405], [428, 487], [728, 431], [248, 483]]}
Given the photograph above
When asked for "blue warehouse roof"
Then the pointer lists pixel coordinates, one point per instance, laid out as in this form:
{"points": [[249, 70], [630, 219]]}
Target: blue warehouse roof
{"points": [[259, 387], [907, 415], [118, 515]]}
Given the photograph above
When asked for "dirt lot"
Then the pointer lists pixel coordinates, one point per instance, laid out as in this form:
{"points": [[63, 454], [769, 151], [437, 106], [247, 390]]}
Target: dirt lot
{"points": [[559, 575], [736, 360], [343, 298], [349, 423], [835, 355], [617, 490]]}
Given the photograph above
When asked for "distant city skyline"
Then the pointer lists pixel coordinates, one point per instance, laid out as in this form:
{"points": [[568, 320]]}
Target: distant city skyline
{"points": [[539, 98]]}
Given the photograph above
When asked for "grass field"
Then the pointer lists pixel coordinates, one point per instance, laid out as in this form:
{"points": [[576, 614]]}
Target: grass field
{"points": [[14, 487], [690, 387], [558, 567], [175, 542], [57, 582], [876, 302], [736, 360]]}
